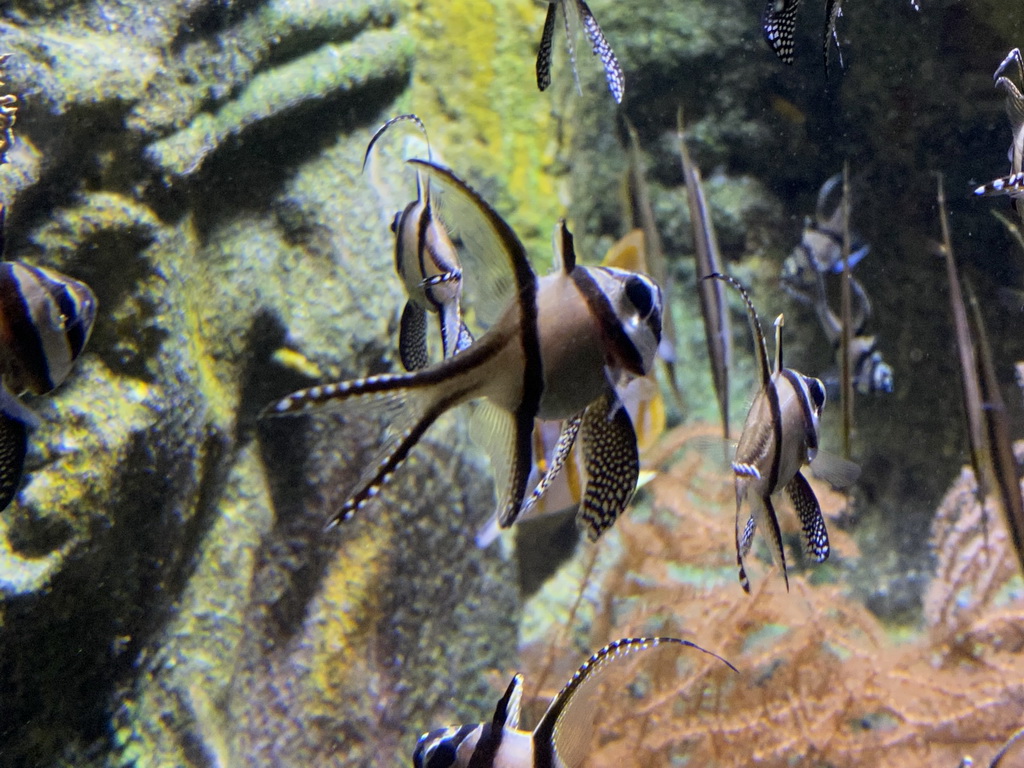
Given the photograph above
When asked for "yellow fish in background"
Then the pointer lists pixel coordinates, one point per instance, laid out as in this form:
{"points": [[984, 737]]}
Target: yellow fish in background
{"points": [[562, 490], [565, 732]]}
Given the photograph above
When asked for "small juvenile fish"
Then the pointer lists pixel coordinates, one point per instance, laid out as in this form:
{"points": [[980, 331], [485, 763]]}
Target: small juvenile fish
{"points": [[45, 320], [780, 436], [428, 264], [1012, 184], [869, 372], [576, 13], [563, 736], [820, 251], [556, 351]]}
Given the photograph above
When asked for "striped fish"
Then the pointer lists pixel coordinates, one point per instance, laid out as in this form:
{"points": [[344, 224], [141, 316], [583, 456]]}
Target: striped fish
{"points": [[555, 489], [780, 436], [555, 350], [576, 14], [1013, 183], [563, 736], [428, 264], [45, 320]]}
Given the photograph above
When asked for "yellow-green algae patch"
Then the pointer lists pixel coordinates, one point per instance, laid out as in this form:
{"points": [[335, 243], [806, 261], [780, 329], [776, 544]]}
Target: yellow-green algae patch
{"points": [[475, 87]]}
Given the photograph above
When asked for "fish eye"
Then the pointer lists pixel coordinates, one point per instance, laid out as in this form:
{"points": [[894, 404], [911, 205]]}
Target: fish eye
{"points": [[639, 294], [817, 392]]}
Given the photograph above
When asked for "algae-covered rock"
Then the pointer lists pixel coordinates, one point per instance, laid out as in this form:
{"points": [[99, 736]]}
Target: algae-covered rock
{"points": [[168, 595]]}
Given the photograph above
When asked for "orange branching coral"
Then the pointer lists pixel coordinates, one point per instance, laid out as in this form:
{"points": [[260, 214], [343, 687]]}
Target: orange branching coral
{"points": [[821, 681], [8, 110]]}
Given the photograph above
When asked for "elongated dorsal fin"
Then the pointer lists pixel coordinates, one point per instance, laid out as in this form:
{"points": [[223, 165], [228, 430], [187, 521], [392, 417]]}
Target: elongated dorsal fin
{"points": [[506, 714], [565, 252], [493, 257], [779, 322], [760, 345], [422, 191], [565, 731]]}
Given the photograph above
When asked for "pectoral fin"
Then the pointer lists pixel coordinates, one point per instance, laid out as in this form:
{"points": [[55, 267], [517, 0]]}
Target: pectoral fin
{"points": [[412, 337], [506, 438], [612, 70], [611, 462], [544, 51], [563, 449], [809, 511]]}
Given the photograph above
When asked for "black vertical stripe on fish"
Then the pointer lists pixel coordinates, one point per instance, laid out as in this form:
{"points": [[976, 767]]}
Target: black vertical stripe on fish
{"points": [[811, 520], [779, 26], [612, 70], [486, 747], [611, 461], [13, 447], [412, 337], [611, 328], [773, 478], [21, 331], [800, 387], [522, 460], [544, 50]]}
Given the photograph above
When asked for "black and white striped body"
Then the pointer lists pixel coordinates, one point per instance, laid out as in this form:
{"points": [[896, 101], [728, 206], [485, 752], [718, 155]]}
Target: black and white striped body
{"points": [[560, 740], [428, 263], [1012, 184], [45, 320], [553, 353], [577, 14], [779, 437]]}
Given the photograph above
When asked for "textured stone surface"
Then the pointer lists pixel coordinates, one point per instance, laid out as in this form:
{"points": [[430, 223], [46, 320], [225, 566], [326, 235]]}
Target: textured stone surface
{"points": [[167, 593]]}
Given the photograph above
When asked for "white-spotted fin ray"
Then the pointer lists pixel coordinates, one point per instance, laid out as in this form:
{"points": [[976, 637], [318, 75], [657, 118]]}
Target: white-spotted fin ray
{"points": [[780, 436], [717, 330], [559, 344], [563, 737], [559, 474], [45, 321], [833, 10], [428, 263], [577, 14], [779, 26], [1013, 183]]}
